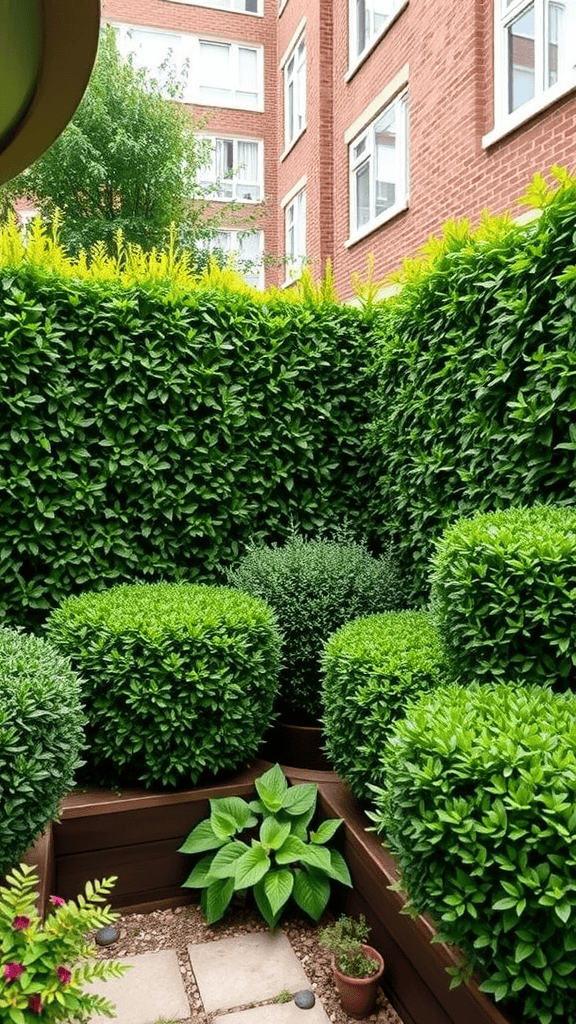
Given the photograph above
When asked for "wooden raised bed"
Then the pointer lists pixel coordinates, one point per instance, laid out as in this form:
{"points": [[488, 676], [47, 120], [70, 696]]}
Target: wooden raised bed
{"points": [[135, 836]]}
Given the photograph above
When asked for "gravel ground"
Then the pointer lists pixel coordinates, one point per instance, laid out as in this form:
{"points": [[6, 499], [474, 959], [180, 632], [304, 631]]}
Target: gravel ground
{"points": [[175, 929]]}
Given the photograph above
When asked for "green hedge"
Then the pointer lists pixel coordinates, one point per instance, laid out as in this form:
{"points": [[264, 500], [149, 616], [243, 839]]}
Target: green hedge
{"points": [[147, 433], [179, 679], [504, 596], [314, 587], [372, 667], [475, 402], [41, 734], [479, 806]]}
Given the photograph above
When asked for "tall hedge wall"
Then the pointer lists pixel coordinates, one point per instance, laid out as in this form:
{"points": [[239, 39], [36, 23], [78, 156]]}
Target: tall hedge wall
{"points": [[145, 435], [476, 405]]}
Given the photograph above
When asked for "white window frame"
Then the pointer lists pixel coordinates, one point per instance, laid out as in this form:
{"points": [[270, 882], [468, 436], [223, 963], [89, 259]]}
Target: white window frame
{"points": [[355, 163], [258, 277], [295, 76], [209, 178], [295, 208], [504, 120], [230, 6], [187, 48], [354, 57]]}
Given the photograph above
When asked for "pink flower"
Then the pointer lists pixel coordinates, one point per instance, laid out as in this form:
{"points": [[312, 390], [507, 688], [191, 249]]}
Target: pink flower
{"points": [[19, 923], [57, 901], [64, 974], [35, 1004], [13, 971]]}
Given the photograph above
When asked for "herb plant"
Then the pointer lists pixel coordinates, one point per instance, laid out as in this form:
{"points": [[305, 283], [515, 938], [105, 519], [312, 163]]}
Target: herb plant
{"points": [[41, 736], [43, 965], [179, 679], [265, 845], [479, 807], [345, 939]]}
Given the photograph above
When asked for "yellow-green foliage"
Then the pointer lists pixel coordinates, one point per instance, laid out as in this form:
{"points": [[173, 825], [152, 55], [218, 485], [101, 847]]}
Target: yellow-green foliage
{"points": [[130, 265]]}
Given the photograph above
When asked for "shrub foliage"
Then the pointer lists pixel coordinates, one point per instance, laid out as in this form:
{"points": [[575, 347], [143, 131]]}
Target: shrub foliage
{"points": [[504, 595], [151, 431], [479, 807], [41, 733], [179, 678], [475, 402], [372, 667], [315, 586]]}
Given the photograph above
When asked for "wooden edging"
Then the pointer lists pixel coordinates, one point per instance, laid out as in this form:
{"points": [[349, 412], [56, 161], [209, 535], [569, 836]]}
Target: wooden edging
{"points": [[135, 835]]}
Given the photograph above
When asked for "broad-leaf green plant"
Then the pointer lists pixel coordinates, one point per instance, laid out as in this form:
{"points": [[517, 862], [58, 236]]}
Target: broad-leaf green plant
{"points": [[45, 966], [266, 845]]}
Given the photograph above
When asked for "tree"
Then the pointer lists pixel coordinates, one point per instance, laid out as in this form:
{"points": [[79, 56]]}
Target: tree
{"points": [[128, 159]]}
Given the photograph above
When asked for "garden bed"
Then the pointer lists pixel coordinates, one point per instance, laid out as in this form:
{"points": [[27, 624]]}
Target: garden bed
{"points": [[135, 835]]}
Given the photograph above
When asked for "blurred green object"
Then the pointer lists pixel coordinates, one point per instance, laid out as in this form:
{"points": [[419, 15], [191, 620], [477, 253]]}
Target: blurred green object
{"points": [[47, 51]]}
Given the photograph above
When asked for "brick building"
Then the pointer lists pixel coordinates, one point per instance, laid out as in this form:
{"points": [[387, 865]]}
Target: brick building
{"points": [[365, 124]]}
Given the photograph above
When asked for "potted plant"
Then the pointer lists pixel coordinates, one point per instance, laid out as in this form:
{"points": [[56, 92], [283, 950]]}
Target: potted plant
{"points": [[357, 967]]}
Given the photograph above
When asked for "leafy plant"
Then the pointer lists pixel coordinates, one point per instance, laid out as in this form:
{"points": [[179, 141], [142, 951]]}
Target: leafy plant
{"points": [[43, 964], [285, 860], [474, 405], [372, 667], [179, 679], [150, 430], [345, 938], [315, 586], [504, 592], [41, 735], [478, 806]]}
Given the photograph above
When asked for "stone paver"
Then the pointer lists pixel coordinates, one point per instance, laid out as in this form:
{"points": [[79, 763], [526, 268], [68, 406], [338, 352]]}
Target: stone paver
{"points": [[278, 1013], [152, 989], [246, 969]]}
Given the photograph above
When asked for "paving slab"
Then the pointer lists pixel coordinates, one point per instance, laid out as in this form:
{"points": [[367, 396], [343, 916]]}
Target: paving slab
{"points": [[152, 989], [245, 969], [278, 1013]]}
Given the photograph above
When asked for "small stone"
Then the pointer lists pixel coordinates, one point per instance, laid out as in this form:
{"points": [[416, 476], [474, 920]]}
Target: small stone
{"points": [[305, 999], [106, 936]]}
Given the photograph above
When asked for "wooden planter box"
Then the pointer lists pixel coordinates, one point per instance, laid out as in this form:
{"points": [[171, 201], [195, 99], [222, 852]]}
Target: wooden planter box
{"points": [[135, 836]]}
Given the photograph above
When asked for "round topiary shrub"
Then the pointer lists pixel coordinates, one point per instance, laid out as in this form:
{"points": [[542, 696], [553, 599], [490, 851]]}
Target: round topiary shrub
{"points": [[371, 668], [504, 596], [314, 586], [179, 679], [479, 806], [41, 733]]}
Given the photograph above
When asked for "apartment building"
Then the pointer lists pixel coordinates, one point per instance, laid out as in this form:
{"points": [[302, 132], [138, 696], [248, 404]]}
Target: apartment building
{"points": [[359, 126]]}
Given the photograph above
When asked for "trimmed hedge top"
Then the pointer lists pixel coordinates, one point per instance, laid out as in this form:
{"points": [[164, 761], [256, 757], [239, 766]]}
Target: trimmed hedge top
{"points": [[179, 679], [479, 806], [41, 733], [372, 667], [504, 595]]}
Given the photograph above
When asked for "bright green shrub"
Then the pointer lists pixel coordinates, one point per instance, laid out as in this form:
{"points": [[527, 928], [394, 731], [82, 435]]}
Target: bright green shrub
{"points": [[372, 667], [475, 402], [41, 735], [179, 679], [504, 596], [151, 432], [314, 586], [479, 806]]}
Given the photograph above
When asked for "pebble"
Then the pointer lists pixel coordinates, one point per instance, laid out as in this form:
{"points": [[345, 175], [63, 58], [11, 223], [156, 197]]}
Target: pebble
{"points": [[304, 999]]}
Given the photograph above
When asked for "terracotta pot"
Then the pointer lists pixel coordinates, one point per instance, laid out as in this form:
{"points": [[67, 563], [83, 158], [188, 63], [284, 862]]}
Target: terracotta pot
{"points": [[358, 995]]}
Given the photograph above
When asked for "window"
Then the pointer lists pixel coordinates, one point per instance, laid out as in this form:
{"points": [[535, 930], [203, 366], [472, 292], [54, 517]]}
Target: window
{"points": [[535, 54], [295, 235], [245, 250], [217, 73], [242, 6], [378, 168], [295, 93], [368, 19], [237, 169]]}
